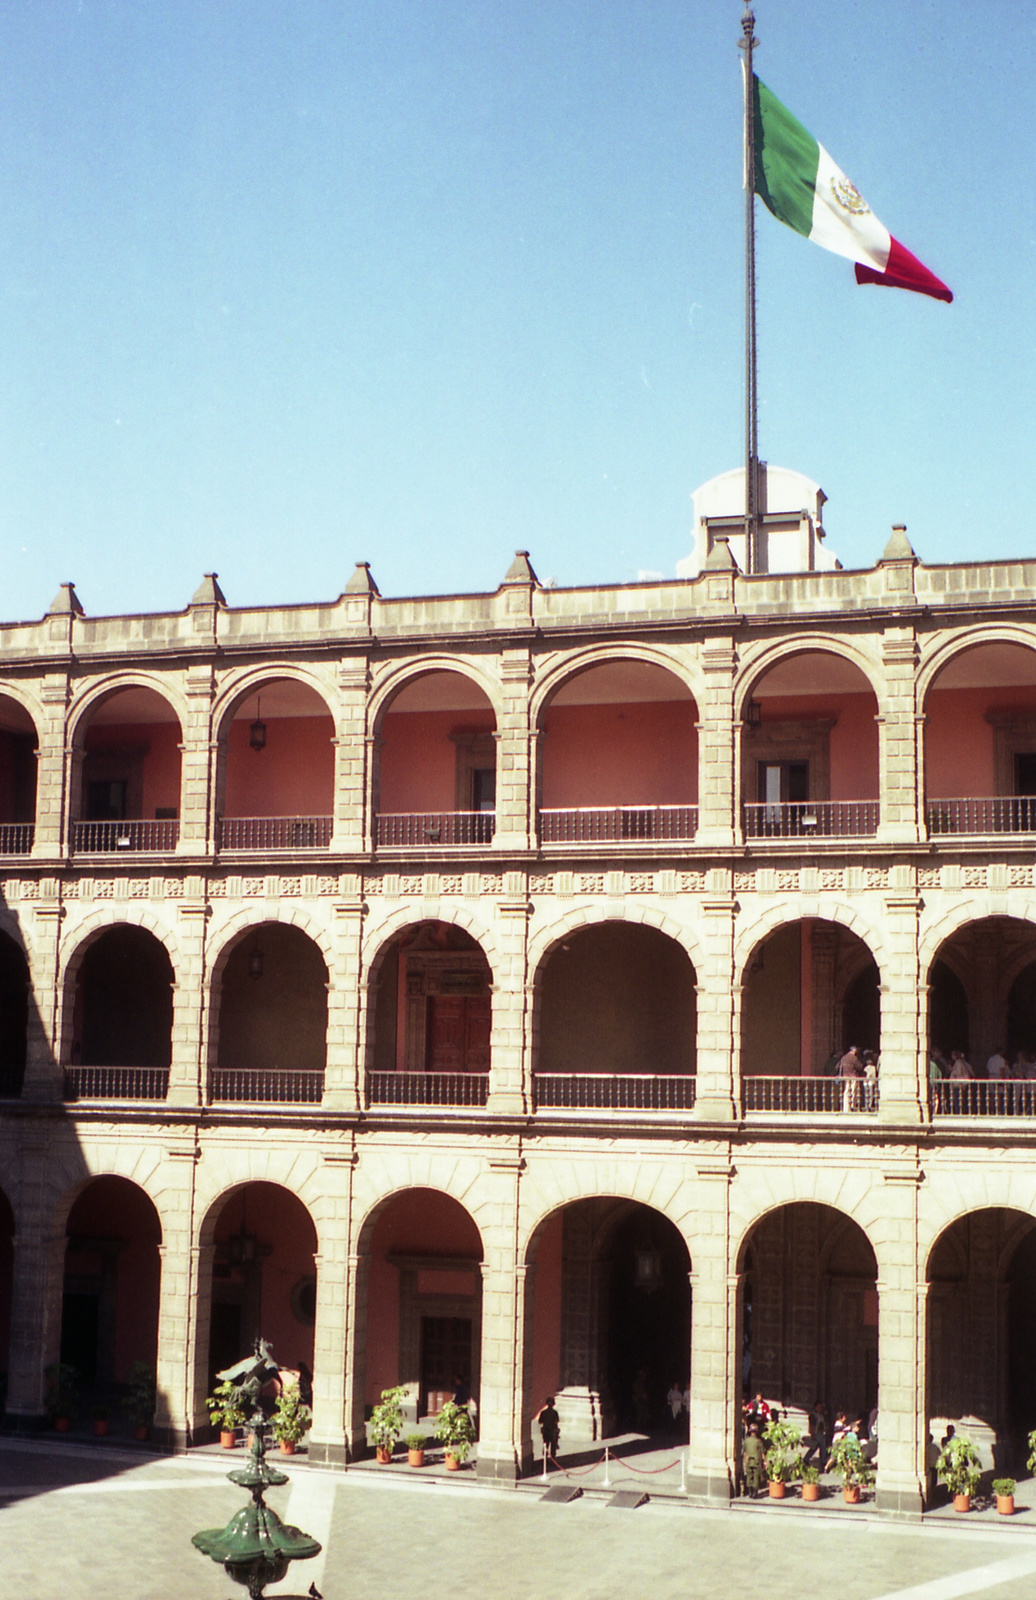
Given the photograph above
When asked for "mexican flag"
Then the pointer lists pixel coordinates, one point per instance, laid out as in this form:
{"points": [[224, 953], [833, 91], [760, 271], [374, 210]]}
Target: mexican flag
{"points": [[797, 180]]}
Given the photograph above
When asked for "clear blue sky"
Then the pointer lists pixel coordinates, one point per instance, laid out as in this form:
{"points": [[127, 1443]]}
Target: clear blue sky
{"points": [[288, 283]]}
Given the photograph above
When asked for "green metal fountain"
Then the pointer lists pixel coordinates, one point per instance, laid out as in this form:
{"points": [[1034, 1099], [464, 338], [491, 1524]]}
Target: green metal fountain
{"points": [[256, 1547]]}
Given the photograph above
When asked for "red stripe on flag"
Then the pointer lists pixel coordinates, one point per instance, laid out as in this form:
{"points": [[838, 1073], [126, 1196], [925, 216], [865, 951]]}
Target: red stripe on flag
{"points": [[904, 271]]}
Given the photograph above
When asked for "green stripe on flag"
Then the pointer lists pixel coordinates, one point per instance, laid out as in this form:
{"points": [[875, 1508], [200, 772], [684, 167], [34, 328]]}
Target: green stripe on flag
{"points": [[786, 162]]}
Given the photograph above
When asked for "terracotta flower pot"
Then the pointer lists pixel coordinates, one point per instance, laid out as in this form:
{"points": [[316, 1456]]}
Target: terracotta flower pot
{"points": [[777, 1489], [141, 1431], [228, 1438], [811, 1491], [452, 1463], [851, 1494], [100, 1427], [415, 1458], [383, 1453], [288, 1447], [61, 1424], [962, 1502], [1005, 1505]]}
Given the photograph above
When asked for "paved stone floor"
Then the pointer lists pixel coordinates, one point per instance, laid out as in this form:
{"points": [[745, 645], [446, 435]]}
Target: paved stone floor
{"points": [[82, 1523]]}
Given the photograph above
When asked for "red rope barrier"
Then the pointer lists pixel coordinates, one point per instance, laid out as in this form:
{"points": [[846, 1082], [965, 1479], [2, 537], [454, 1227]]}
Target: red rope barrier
{"points": [[575, 1472], [647, 1472]]}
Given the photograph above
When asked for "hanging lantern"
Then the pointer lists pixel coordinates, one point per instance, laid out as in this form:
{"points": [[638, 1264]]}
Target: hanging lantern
{"points": [[255, 963], [647, 1271], [257, 730]]}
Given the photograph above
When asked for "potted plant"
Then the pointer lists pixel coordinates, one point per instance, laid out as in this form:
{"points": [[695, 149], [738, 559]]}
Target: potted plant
{"points": [[849, 1462], [226, 1412], [415, 1449], [811, 1483], [783, 1456], [960, 1470], [62, 1392], [454, 1430], [1004, 1489], [291, 1419], [101, 1416], [386, 1422], [140, 1398]]}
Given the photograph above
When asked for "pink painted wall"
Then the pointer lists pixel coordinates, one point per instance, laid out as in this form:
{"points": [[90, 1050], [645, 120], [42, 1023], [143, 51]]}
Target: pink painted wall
{"points": [[959, 740], [161, 764], [115, 1208], [853, 741], [419, 1222], [292, 777], [277, 1218], [546, 1321], [644, 753], [419, 760]]}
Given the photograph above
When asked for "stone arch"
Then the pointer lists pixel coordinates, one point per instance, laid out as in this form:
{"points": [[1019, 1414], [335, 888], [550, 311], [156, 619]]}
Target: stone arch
{"points": [[660, 1189], [593, 912], [951, 1203], [376, 1208], [23, 696], [428, 1008], [396, 677], [847, 1194], [110, 1283], [1013, 904], [235, 689], [226, 935], [755, 663], [945, 649], [268, 1011], [76, 948], [96, 693], [379, 937], [799, 909], [560, 671]]}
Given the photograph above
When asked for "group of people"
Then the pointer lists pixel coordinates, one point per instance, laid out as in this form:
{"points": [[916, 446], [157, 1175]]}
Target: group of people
{"points": [[819, 1441], [1020, 1069], [858, 1070]]}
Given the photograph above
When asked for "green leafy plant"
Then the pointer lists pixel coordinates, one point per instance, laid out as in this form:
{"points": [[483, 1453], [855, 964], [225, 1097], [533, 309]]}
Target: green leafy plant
{"points": [[783, 1451], [141, 1394], [62, 1389], [224, 1406], [415, 1441], [455, 1430], [291, 1418], [811, 1474], [1030, 1465], [959, 1466], [849, 1462], [386, 1422], [1004, 1488]]}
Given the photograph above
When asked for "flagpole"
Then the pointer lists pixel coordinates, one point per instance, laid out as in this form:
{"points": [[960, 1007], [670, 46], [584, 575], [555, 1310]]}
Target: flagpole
{"points": [[747, 44]]}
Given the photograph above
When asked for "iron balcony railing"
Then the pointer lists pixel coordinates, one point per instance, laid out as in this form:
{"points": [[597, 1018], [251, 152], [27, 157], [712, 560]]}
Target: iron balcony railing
{"points": [[607, 1091], [415, 830], [427, 1088], [1003, 814], [816, 819], [116, 1083], [104, 838], [266, 1086], [274, 833], [814, 1095], [625, 824], [981, 1097], [16, 838]]}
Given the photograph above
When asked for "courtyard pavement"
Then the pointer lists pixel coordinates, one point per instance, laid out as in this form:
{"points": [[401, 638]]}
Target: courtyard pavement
{"points": [[95, 1523]]}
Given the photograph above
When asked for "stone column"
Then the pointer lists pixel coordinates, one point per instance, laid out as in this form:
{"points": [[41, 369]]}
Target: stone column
{"points": [[43, 1075], [351, 823], [175, 1418], [902, 1377], [717, 1090], [357, 1271], [903, 1069], [198, 1308], [715, 1348], [508, 1086], [581, 1403], [196, 751], [37, 1285], [343, 1087], [333, 1335], [51, 767], [190, 995], [515, 811], [899, 742], [718, 748]]}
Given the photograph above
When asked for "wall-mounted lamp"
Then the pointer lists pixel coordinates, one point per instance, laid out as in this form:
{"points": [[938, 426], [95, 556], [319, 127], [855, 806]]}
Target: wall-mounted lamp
{"points": [[647, 1273], [257, 731], [255, 962], [753, 714]]}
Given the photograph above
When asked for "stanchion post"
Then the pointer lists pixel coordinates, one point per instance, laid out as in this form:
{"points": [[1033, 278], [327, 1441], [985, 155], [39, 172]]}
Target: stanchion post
{"points": [[683, 1472], [544, 1460], [606, 1481]]}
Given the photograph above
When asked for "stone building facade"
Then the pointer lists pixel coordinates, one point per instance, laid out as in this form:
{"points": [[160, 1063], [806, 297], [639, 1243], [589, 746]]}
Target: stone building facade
{"points": [[447, 985]]}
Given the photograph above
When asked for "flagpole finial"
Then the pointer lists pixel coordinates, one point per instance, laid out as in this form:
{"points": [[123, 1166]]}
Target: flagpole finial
{"points": [[748, 23]]}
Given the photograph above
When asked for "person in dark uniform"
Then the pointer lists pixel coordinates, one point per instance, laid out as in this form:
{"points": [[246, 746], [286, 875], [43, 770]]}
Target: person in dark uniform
{"points": [[550, 1426]]}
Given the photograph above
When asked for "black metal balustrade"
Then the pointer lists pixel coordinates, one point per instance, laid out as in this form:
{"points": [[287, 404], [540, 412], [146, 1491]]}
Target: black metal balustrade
{"points": [[1002, 814], [266, 1086], [427, 1088], [274, 833], [617, 824], [116, 1083], [981, 1097], [816, 819], [811, 1095], [16, 838], [158, 836], [606, 1091], [416, 830]]}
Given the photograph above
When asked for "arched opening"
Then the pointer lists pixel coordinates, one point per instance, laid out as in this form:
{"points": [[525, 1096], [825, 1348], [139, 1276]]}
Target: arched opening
{"points": [[271, 1036], [277, 774], [981, 1363], [109, 1311], [6, 1286], [18, 742], [264, 1278], [14, 1016], [980, 742], [810, 1313], [435, 780], [430, 1019], [619, 756], [608, 1321], [809, 754], [126, 796], [420, 1292], [617, 1021], [811, 992], [122, 1017], [981, 1034]]}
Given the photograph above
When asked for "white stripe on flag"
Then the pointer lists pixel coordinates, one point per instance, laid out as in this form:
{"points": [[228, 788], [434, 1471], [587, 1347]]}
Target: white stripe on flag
{"points": [[848, 232]]}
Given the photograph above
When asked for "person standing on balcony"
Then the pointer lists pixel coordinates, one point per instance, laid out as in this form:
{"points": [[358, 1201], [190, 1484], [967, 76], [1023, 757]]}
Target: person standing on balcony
{"points": [[960, 1066], [850, 1069], [996, 1066]]}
